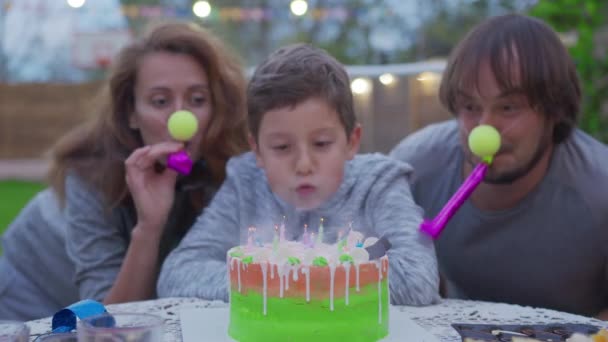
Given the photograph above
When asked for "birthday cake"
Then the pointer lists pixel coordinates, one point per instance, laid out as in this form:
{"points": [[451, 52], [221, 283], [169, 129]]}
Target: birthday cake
{"points": [[296, 291]]}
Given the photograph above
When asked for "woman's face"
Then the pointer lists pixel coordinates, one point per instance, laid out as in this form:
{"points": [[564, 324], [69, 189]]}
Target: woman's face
{"points": [[167, 82]]}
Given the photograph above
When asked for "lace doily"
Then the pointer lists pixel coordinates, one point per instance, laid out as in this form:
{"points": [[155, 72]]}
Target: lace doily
{"points": [[436, 319]]}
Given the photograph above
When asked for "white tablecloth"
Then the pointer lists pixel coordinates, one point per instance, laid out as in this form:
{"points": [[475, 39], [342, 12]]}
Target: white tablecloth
{"points": [[436, 319]]}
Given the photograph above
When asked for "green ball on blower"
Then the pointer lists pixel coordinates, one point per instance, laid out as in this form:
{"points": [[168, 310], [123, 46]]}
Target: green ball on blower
{"points": [[182, 126], [484, 142]]}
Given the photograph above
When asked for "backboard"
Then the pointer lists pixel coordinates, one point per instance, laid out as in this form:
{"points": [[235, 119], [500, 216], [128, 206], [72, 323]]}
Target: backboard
{"points": [[96, 50]]}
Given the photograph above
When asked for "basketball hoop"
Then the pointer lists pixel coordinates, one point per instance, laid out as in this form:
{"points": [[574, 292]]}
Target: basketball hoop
{"points": [[96, 50], [103, 62]]}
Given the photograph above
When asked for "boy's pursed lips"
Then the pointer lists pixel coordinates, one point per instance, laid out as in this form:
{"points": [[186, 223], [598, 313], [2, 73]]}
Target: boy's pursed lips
{"points": [[305, 189]]}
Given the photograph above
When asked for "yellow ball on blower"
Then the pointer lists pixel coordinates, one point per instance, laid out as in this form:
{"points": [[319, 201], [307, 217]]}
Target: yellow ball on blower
{"points": [[484, 142], [182, 125]]}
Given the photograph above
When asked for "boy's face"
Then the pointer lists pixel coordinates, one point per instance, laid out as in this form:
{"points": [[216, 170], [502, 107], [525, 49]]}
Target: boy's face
{"points": [[303, 150]]}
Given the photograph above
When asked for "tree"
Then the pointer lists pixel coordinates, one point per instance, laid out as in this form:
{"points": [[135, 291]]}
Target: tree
{"points": [[588, 19]]}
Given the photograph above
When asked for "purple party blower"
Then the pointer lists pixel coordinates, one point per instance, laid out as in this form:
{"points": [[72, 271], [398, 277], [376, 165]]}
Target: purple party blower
{"points": [[182, 126], [435, 226], [180, 162], [484, 142]]}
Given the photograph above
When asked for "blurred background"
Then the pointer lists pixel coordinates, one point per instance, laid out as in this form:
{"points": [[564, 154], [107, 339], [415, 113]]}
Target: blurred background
{"points": [[55, 53]]}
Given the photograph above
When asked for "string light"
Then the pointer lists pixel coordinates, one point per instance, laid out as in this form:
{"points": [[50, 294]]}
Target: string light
{"points": [[387, 79], [76, 3], [298, 7], [201, 9], [361, 86]]}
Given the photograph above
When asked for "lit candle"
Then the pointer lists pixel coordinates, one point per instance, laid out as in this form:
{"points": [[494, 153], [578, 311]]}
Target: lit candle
{"points": [[283, 230], [321, 229], [306, 238], [340, 242], [275, 240], [250, 232]]}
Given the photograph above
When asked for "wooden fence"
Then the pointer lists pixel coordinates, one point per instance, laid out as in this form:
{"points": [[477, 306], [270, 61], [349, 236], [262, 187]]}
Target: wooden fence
{"points": [[34, 116]]}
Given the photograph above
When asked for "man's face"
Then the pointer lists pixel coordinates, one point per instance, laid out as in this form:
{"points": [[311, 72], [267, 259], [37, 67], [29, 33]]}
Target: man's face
{"points": [[525, 133], [303, 150]]}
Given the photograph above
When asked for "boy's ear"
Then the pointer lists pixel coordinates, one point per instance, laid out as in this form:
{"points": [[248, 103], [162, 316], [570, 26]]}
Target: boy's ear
{"points": [[256, 150], [354, 141]]}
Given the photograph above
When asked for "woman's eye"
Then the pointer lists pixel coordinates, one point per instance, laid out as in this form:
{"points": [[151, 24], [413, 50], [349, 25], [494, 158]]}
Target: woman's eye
{"points": [[198, 100], [159, 102]]}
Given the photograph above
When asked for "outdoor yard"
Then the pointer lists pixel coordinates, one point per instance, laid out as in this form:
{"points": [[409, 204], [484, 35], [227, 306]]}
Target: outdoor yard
{"points": [[13, 196]]}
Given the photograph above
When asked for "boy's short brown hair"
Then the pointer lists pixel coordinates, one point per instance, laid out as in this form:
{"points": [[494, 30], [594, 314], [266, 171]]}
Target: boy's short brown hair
{"points": [[525, 55], [296, 73]]}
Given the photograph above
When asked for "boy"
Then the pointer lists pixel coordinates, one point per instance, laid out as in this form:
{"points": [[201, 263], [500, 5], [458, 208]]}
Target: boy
{"points": [[303, 168]]}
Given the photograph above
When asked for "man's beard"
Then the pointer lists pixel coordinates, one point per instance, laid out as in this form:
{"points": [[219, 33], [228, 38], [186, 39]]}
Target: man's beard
{"points": [[509, 177]]}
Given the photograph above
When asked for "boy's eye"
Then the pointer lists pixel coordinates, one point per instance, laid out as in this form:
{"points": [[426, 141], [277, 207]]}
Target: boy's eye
{"points": [[323, 143], [280, 147]]}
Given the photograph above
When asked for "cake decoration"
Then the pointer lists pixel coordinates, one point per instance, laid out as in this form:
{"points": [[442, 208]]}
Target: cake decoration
{"points": [[287, 286]]}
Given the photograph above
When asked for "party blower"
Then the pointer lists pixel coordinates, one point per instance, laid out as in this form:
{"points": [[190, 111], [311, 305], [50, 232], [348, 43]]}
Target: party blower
{"points": [[182, 126], [484, 142]]}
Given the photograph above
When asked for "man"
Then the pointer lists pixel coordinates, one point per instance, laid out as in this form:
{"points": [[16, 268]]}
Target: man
{"points": [[535, 232]]}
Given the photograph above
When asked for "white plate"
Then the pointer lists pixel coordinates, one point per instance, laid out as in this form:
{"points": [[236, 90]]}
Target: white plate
{"points": [[213, 325]]}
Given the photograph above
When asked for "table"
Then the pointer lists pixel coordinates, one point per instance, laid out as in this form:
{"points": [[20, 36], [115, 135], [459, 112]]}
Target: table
{"points": [[436, 318]]}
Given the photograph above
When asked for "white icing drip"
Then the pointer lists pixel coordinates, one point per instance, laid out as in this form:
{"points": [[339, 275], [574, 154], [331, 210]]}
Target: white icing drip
{"points": [[347, 281], [295, 273], [238, 272], [264, 267], [306, 272], [332, 273], [281, 287], [287, 277], [229, 262], [244, 269], [271, 271], [379, 266], [357, 276]]}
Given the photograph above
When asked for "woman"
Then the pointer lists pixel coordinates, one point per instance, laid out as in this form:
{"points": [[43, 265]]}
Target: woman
{"points": [[123, 210]]}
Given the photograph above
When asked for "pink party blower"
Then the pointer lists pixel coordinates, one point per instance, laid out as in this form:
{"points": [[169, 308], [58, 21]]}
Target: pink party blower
{"points": [[484, 142], [182, 126]]}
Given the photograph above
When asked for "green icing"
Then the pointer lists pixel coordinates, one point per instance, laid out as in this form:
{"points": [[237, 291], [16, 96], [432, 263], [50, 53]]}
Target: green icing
{"points": [[247, 260], [294, 319], [293, 261], [346, 258], [319, 261], [237, 253]]}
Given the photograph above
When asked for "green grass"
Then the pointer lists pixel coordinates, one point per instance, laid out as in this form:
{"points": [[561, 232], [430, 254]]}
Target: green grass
{"points": [[13, 196]]}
